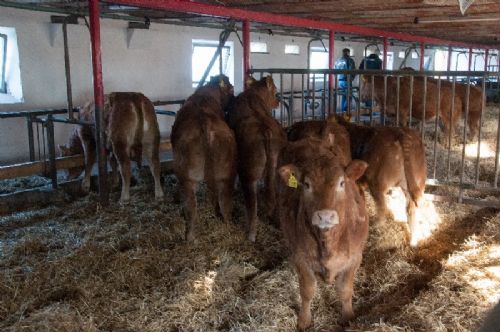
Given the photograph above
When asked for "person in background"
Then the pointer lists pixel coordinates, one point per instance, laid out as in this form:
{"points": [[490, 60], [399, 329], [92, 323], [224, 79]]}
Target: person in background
{"points": [[374, 62], [345, 62]]}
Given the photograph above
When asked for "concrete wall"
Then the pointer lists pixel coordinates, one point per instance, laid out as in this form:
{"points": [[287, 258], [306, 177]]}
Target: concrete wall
{"points": [[156, 62]]}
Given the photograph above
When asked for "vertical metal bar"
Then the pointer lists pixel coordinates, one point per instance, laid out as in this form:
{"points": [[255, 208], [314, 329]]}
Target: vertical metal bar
{"points": [[448, 162], [497, 153], [411, 100], [49, 124], [467, 96], [422, 53], [483, 107], [398, 90], [384, 60], [31, 141], [438, 105], [302, 99], [67, 68], [470, 59], [384, 115], [335, 101], [424, 105], [246, 49], [290, 104], [313, 95], [448, 65], [282, 107], [372, 77], [323, 96], [348, 94], [95, 35]]}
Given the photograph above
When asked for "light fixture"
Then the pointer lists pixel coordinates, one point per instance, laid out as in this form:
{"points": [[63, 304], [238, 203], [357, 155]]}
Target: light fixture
{"points": [[450, 19]]}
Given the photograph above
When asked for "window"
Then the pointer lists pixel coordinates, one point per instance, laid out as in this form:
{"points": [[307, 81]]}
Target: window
{"points": [[203, 52], [258, 47], [318, 60], [292, 49], [10, 73], [414, 55], [3, 61], [401, 54]]}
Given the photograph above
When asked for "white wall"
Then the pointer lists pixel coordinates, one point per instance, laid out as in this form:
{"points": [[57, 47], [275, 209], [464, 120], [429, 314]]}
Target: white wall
{"points": [[156, 62]]}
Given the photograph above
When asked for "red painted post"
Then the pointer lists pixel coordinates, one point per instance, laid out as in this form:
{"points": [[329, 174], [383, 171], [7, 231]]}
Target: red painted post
{"points": [[95, 38], [246, 50], [470, 58], [331, 57], [384, 60], [422, 53]]}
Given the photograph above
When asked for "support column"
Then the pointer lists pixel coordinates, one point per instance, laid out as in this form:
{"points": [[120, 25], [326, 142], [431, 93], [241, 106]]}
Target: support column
{"points": [[384, 60], [331, 57], [246, 50], [486, 55], [95, 37], [422, 58]]}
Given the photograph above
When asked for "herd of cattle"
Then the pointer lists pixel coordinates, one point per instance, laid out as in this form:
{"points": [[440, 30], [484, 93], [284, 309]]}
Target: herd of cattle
{"points": [[314, 173]]}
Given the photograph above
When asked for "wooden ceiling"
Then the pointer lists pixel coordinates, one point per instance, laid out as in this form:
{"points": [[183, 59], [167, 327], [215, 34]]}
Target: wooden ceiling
{"points": [[430, 18]]}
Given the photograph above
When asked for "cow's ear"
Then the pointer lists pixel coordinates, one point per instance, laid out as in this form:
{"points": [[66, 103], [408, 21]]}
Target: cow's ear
{"points": [[364, 78], [356, 169], [269, 82], [222, 84], [249, 81], [289, 175]]}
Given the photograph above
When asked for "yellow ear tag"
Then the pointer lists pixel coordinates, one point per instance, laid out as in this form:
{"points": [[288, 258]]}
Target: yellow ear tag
{"points": [[292, 181], [347, 117]]}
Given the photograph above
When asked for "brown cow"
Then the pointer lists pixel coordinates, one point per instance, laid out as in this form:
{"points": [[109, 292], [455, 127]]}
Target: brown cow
{"points": [[418, 111], [131, 129], [260, 138], [204, 148], [396, 158], [317, 128], [323, 219]]}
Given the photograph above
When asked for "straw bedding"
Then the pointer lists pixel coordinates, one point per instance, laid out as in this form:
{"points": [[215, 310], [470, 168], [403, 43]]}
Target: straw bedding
{"points": [[83, 267]]}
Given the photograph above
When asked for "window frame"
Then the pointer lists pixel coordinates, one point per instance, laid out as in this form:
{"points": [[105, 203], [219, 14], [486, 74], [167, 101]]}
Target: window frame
{"points": [[3, 82], [207, 44]]}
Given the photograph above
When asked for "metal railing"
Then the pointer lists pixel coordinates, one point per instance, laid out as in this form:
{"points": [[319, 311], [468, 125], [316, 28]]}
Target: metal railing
{"points": [[394, 98]]}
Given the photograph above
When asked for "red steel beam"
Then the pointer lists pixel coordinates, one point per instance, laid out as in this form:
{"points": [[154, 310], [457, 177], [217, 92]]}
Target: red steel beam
{"points": [[422, 51], [246, 50], [331, 57], [241, 14]]}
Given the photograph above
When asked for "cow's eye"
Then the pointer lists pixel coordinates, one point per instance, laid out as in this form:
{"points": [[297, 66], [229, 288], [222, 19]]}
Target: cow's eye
{"points": [[342, 184], [307, 185]]}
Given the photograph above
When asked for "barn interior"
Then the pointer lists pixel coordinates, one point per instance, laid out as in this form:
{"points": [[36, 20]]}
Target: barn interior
{"points": [[71, 261]]}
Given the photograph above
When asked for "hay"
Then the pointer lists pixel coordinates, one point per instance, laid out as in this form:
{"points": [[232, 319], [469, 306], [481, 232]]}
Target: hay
{"points": [[81, 267]]}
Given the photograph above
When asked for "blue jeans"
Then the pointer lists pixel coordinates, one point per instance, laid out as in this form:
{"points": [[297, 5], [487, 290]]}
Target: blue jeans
{"points": [[343, 89]]}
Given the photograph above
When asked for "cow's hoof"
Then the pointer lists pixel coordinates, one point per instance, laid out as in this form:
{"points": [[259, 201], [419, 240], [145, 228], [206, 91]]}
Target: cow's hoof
{"points": [[159, 197], [304, 321], [251, 236], [125, 201], [189, 236]]}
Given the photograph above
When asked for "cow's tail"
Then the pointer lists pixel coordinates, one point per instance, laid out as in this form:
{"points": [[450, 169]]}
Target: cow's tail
{"points": [[409, 159]]}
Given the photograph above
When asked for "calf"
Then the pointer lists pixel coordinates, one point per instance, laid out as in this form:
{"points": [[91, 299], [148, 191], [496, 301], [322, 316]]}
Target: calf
{"points": [[323, 218], [316, 128], [131, 129], [204, 148], [396, 158], [422, 109], [260, 138]]}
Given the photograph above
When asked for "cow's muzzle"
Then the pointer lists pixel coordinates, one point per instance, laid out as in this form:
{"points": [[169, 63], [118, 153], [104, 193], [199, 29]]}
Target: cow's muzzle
{"points": [[325, 219]]}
